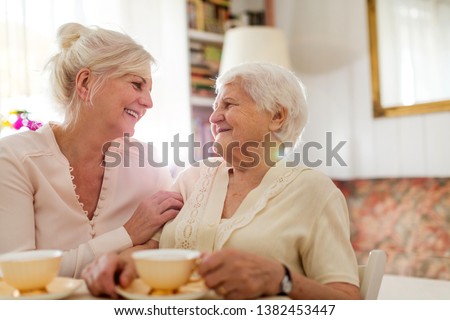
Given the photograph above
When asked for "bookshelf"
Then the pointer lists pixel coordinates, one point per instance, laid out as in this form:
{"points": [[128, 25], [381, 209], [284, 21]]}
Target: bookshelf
{"points": [[206, 26], [205, 49], [207, 21]]}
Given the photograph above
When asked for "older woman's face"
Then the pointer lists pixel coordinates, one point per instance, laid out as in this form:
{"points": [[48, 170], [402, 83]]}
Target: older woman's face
{"points": [[236, 119]]}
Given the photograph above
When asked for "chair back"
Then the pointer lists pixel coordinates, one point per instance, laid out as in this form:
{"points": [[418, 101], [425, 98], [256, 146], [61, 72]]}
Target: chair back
{"points": [[371, 274]]}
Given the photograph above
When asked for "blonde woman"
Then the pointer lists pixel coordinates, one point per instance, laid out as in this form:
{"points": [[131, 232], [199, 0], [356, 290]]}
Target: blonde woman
{"points": [[58, 188]]}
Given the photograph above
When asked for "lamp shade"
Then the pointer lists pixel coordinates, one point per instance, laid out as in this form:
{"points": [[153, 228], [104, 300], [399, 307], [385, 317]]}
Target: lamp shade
{"points": [[254, 43]]}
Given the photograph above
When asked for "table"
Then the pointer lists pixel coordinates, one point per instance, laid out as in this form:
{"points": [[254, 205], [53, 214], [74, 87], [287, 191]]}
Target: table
{"points": [[82, 293], [395, 287]]}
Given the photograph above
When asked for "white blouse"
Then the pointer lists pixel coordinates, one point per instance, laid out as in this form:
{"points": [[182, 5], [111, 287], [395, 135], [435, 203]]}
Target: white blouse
{"points": [[296, 216], [39, 208]]}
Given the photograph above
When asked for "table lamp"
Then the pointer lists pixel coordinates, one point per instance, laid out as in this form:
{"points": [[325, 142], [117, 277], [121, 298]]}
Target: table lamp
{"points": [[254, 43]]}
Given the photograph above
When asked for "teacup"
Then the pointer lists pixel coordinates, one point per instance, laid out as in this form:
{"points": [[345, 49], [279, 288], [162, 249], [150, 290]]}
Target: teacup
{"points": [[30, 270], [165, 269]]}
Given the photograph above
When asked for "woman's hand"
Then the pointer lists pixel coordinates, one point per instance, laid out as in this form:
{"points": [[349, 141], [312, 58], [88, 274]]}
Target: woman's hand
{"points": [[151, 214], [240, 275], [100, 274], [235, 274]]}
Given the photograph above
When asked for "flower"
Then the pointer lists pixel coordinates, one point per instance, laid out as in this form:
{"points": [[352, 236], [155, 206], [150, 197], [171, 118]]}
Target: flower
{"points": [[18, 119]]}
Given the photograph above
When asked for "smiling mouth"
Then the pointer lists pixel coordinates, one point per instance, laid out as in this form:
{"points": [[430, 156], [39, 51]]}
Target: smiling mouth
{"points": [[223, 130], [132, 113]]}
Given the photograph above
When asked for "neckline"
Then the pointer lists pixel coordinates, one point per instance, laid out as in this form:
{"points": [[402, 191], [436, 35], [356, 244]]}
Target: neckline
{"points": [[101, 196], [47, 130]]}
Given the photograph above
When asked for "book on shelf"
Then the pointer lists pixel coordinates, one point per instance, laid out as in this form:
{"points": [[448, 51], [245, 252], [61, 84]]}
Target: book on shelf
{"points": [[203, 91], [253, 18], [192, 14], [201, 70], [205, 55], [212, 56], [205, 61], [208, 15], [246, 18], [202, 81]]}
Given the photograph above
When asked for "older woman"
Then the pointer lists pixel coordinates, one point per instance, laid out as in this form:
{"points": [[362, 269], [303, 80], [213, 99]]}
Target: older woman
{"points": [[269, 227], [58, 189]]}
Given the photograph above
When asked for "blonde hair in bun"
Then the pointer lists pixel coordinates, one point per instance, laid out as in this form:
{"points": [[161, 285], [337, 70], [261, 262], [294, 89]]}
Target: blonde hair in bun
{"points": [[68, 34]]}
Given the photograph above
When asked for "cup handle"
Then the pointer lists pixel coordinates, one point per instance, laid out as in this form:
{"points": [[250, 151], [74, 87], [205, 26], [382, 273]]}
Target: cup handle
{"points": [[194, 275]]}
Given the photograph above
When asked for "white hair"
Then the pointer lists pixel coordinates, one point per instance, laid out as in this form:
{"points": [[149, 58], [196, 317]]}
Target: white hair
{"points": [[272, 87]]}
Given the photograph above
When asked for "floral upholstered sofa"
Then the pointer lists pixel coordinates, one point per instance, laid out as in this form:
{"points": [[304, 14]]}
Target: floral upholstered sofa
{"points": [[409, 218]]}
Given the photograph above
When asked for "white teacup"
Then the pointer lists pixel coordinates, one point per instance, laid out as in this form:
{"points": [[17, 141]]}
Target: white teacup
{"points": [[165, 269], [30, 270]]}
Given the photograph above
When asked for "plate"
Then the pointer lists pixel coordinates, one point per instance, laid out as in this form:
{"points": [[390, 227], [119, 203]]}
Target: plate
{"points": [[139, 290], [59, 288]]}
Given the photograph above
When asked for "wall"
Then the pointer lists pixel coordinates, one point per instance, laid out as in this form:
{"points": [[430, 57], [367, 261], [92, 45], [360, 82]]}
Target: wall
{"points": [[161, 27], [330, 53]]}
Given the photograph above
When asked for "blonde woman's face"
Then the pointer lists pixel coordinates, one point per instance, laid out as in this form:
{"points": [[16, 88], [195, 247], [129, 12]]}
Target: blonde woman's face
{"points": [[122, 102]]}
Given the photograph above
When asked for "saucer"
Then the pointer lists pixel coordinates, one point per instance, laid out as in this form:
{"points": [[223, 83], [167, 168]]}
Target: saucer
{"points": [[139, 290], [59, 288]]}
